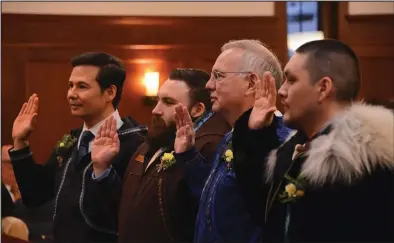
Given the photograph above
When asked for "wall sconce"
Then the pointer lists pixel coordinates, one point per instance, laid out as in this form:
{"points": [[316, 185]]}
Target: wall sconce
{"points": [[151, 82]]}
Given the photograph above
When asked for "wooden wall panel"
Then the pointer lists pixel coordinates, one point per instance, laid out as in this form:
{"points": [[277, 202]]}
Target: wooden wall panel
{"points": [[37, 49], [372, 38], [12, 88], [377, 82], [50, 81]]}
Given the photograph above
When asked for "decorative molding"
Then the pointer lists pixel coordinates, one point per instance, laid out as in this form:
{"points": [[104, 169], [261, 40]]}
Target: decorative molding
{"points": [[36, 50], [142, 8], [389, 18], [370, 8]]}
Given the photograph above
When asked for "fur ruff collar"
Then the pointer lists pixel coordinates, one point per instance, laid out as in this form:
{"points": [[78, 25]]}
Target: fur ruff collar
{"points": [[360, 140]]}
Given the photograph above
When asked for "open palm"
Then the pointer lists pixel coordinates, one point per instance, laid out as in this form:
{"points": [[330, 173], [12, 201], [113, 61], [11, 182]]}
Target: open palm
{"points": [[106, 145], [25, 121], [265, 103], [185, 135]]}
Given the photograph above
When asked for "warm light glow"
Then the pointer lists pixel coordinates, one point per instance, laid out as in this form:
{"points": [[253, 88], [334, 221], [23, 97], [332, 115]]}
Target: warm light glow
{"points": [[151, 82], [296, 40]]}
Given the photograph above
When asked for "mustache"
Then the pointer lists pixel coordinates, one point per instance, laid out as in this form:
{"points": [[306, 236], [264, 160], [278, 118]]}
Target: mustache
{"points": [[158, 125], [160, 133], [157, 120]]}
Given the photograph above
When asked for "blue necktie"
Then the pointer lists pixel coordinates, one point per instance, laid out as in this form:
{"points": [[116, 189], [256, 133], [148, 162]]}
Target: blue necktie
{"points": [[83, 149]]}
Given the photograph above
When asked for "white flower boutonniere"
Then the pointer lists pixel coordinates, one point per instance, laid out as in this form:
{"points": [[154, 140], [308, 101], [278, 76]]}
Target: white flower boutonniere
{"points": [[166, 161]]}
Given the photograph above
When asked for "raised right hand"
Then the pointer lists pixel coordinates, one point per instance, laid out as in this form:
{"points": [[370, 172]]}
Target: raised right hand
{"points": [[264, 104], [25, 121], [105, 147], [185, 135]]}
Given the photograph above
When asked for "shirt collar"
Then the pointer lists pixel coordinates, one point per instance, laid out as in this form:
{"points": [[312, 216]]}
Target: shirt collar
{"points": [[96, 127]]}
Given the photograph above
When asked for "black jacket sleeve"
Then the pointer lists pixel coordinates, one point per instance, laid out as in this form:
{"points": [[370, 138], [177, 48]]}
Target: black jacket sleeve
{"points": [[251, 147], [36, 182]]}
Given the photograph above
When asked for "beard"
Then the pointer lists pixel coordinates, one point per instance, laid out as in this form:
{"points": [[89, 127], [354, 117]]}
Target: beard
{"points": [[161, 134]]}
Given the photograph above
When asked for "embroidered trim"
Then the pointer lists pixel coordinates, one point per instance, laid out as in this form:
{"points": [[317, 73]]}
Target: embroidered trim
{"points": [[201, 121], [211, 199], [81, 199], [161, 206], [211, 179], [133, 130], [61, 186], [215, 163]]}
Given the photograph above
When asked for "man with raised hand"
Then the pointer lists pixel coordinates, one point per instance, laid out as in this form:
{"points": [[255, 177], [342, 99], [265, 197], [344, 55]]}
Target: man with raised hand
{"points": [[236, 91], [161, 190], [333, 180], [79, 188]]}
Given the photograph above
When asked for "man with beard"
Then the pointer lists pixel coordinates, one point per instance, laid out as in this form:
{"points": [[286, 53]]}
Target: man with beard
{"points": [[161, 190]]}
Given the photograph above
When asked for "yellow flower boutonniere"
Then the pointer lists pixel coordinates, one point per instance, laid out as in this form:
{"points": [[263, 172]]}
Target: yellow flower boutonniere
{"points": [[293, 190], [228, 156], [63, 147], [166, 161]]}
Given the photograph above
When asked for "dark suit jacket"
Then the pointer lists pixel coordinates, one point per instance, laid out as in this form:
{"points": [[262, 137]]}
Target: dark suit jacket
{"points": [[85, 209], [162, 206]]}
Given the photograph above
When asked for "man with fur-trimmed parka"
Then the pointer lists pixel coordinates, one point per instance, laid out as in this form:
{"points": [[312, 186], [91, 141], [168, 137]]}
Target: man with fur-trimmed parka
{"points": [[332, 180]]}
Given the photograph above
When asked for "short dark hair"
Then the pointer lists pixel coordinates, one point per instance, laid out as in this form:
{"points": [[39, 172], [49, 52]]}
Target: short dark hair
{"points": [[337, 61], [196, 80], [111, 71]]}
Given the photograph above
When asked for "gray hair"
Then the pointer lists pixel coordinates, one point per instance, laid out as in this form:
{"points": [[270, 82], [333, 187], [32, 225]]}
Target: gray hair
{"points": [[257, 58]]}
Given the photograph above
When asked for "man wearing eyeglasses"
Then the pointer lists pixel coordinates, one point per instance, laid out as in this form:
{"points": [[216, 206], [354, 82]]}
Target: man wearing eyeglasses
{"points": [[236, 87]]}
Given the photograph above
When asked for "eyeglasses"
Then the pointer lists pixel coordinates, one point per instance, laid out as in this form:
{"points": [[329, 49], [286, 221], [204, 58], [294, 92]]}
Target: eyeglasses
{"points": [[218, 75]]}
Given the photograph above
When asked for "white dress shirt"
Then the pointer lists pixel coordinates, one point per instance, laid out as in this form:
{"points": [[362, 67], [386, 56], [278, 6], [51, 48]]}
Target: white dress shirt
{"points": [[94, 130], [96, 127]]}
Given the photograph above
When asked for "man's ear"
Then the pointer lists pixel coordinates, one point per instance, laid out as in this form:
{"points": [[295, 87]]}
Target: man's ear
{"points": [[325, 88], [251, 78], [110, 93], [197, 110]]}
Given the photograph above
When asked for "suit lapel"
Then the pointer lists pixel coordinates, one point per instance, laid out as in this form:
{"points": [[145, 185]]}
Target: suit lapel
{"points": [[284, 163], [139, 161]]}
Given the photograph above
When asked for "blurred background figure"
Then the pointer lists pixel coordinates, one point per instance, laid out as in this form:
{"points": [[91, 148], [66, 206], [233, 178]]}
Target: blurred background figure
{"points": [[14, 227], [38, 220], [7, 204]]}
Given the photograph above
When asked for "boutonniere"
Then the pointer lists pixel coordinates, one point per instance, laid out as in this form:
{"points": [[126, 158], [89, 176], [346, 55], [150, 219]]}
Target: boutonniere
{"points": [[294, 190], [228, 155], [166, 161], [63, 147]]}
